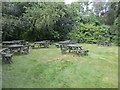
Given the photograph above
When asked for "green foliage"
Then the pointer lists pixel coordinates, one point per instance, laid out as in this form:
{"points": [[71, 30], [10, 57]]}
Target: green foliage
{"points": [[51, 20], [41, 18], [90, 34], [12, 25], [58, 21], [9, 25], [116, 31], [90, 19]]}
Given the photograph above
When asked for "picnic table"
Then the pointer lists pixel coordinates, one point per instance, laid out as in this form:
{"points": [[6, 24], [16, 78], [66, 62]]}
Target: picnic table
{"points": [[67, 42], [74, 47], [61, 43], [20, 40], [10, 42], [17, 48], [104, 43], [77, 49], [64, 42], [41, 43], [6, 57]]}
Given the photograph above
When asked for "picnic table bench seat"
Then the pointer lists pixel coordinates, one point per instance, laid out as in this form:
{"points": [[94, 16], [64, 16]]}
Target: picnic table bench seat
{"points": [[7, 58], [57, 45], [80, 51], [4, 50], [85, 51], [45, 44], [26, 49], [19, 49], [32, 45], [63, 50], [15, 50]]}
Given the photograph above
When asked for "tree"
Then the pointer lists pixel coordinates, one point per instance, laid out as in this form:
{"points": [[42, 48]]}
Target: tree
{"points": [[12, 25]]}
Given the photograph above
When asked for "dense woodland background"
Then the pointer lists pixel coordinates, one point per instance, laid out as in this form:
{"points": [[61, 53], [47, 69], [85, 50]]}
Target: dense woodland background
{"points": [[59, 21]]}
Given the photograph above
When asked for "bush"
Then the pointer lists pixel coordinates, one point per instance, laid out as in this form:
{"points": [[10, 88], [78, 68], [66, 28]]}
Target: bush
{"points": [[90, 34]]}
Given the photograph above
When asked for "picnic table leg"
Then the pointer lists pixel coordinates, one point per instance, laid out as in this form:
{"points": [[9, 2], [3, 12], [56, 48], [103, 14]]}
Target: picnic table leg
{"points": [[69, 49], [63, 52], [3, 58], [45, 46], [9, 60], [20, 51], [33, 46], [10, 50], [40, 45], [86, 53], [79, 53], [75, 53]]}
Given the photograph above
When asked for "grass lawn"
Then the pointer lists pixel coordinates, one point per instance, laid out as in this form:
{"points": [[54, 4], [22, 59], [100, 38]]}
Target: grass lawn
{"points": [[48, 68]]}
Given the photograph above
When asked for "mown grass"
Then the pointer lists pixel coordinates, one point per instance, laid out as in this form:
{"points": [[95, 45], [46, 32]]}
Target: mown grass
{"points": [[48, 68]]}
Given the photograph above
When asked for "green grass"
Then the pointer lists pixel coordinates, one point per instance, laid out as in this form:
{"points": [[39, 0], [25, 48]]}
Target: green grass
{"points": [[48, 68]]}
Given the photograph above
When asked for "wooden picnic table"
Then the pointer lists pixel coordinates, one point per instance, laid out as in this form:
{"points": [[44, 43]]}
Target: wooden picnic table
{"points": [[7, 42], [20, 41], [15, 47], [64, 42], [104, 43], [41, 43], [74, 47], [3, 49], [67, 42], [10, 42], [77, 49], [6, 57]]}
